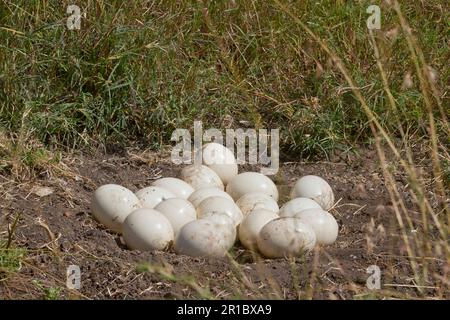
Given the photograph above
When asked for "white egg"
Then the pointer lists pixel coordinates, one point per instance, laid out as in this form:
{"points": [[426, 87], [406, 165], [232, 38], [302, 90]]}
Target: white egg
{"points": [[251, 226], [200, 176], [178, 211], [296, 205], [284, 237], [112, 203], [316, 188], [251, 182], [254, 200], [201, 194], [205, 238], [151, 196], [217, 204], [178, 187], [323, 224], [221, 218], [226, 221], [221, 160], [147, 229]]}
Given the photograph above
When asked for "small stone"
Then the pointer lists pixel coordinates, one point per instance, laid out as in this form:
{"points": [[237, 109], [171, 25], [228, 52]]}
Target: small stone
{"points": [[42, 191]]}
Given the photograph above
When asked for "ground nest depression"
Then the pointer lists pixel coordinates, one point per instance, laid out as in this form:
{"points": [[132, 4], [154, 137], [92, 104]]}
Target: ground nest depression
{"points": [[55, 229]]}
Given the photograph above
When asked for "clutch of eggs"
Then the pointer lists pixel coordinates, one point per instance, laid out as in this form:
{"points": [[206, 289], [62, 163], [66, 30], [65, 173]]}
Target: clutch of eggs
{"points": [[211, 206]]}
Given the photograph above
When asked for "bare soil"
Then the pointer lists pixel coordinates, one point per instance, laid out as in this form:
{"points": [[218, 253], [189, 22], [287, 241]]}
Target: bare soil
{"points": [[58, 230]]}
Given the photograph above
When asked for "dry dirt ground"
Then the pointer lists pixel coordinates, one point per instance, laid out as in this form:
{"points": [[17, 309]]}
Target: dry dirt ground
{"points": [[58, 230]]}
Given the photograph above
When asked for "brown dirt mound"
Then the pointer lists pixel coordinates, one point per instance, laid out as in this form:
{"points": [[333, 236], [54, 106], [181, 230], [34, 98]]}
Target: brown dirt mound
{"points": [[58, 230]]}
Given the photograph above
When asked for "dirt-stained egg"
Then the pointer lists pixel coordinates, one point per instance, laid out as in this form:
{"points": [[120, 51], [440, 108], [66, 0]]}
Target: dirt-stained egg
{"points": [[218, 204], [285, 237], [205, 238], [112, 203], [151, 196], [226, 221], [290, 208], [221, 160], [251, 226], [322, 222], [200, 176], [147, 229], [251, 182], [201, 194], [254, 200], [315, 188], [178, 187], [178, 211]]}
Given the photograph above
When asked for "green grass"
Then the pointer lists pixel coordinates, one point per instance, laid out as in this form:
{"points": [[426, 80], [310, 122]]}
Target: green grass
{"points": [[140, 70], [11, 257], [49, 293], [10, 260]]}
